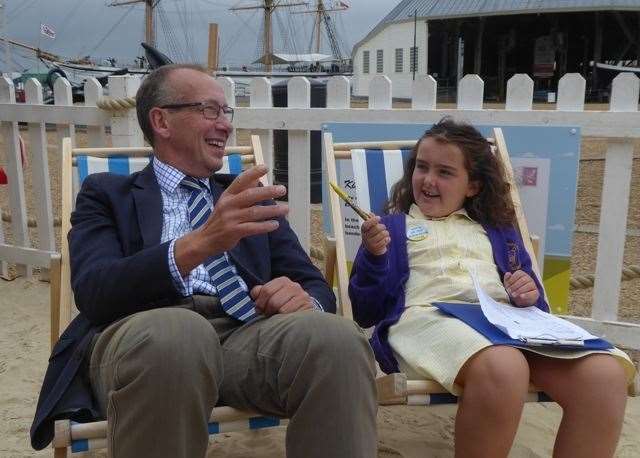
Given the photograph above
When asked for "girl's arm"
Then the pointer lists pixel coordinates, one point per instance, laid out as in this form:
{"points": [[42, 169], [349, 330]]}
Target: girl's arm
{"points": [[368, 287], [525, 266]]}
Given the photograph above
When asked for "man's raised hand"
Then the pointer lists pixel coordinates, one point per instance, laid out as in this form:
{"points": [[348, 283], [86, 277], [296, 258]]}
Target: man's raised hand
{"points": [[236, 215]]}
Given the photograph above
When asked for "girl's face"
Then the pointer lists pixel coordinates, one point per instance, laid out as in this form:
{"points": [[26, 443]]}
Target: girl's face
{"points": [[440, 180]]}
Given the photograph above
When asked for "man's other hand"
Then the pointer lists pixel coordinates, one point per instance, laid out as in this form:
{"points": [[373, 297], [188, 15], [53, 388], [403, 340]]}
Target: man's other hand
{"points": [[280, 295]]}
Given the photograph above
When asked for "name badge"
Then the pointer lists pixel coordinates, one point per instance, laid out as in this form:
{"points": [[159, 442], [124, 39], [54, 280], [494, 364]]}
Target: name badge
{"points": [[417, 233]]}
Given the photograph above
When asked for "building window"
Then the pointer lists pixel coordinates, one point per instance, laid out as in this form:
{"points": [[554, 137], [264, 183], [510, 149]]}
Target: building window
{"points": [[365, 61], [379, 61], [413, 62], [399, 62]]}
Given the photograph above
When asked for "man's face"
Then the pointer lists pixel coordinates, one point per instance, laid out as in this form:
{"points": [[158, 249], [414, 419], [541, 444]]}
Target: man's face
{"points": [[191, 142]]}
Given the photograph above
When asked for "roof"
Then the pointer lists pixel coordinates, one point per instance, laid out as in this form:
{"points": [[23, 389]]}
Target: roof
{"points": [[279, 58], [449, 9]]}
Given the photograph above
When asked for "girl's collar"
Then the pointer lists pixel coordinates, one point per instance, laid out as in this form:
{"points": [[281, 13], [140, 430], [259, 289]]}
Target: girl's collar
{"points": [[415, 213]]}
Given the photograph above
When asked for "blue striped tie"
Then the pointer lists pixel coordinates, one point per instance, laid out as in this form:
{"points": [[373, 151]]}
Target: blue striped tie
{"points": [[233, 297]]}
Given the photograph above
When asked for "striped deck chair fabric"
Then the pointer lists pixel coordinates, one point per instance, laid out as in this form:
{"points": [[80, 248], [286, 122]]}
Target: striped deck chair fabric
{"points": [[77, 165], [376, 168]]}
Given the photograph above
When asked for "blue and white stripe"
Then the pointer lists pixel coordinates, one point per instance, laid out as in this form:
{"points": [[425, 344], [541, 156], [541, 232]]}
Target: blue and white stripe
{"points": [[375, 172]]}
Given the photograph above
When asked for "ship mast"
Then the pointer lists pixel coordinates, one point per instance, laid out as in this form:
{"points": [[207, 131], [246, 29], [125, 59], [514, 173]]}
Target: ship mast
{"points": [[267, 38], [149, 32], [322, 16]]}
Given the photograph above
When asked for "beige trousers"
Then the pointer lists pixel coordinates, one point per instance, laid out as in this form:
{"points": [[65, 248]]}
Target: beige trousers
{"points": [[157, 375]]}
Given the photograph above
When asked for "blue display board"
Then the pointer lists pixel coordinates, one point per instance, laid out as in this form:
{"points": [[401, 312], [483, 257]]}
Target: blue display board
{"points": [[555, 149]]}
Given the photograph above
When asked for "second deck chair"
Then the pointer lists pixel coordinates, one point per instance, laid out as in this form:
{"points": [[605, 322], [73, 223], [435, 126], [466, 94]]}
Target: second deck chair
{"points": [[386, 160], [76, 165]]}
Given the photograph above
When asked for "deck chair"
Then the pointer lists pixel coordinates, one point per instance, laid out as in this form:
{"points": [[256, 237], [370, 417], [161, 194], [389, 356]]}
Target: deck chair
{"points": [[386, 160], [77, 164]]}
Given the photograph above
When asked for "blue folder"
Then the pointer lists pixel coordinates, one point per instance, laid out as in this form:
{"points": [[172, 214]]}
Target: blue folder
{"points": [[472, 315]]}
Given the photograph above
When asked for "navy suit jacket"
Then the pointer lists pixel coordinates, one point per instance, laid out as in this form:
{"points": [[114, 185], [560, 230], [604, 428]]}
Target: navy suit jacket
{"points": [[119, 267]]}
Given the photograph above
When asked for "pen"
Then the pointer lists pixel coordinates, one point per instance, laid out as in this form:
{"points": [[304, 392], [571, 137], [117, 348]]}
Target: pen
{"points": [[344, 196]]}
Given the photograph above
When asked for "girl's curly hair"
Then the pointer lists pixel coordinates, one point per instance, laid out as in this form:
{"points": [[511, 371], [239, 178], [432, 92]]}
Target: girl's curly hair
{"points": [[492, 205]]}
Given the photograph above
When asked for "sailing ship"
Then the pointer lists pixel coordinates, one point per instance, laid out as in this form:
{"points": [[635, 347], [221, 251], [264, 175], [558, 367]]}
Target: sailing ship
{"points": [[269, 63]]}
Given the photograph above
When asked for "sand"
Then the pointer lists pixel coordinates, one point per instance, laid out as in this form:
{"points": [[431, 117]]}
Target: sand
{"points": [[403, 431]]}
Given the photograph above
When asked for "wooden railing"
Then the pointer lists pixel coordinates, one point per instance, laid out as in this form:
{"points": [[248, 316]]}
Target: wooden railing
{"points": [[619, 125]]}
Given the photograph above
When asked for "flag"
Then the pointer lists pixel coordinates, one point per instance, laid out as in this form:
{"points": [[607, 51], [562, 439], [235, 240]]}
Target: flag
{"points": [[47, 31]]}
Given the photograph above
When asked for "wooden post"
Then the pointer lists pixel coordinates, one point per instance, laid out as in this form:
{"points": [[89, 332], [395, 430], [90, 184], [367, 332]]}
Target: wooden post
{"points": [[261, 97], [380, 93], [212, 57], [40, 173], [615, 204], [423, 93], [470, 93], [15, 177], [93, 91], [125, 130], [299, 160]]}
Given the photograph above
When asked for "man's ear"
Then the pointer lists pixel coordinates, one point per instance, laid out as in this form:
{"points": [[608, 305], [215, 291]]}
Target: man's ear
{"points": [[159, 122], [473, 188]]}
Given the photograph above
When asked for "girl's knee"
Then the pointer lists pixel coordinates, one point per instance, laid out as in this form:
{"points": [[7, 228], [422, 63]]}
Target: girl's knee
{"points": [[500, 371]]}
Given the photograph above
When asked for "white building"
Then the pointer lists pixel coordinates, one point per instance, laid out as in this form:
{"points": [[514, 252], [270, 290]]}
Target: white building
{"points": [[497, 39]]}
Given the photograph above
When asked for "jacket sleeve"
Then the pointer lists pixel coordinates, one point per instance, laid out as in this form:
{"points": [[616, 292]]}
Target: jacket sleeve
{"points": [[525, 265], [368, 288], [288, 259], [108, 285]]}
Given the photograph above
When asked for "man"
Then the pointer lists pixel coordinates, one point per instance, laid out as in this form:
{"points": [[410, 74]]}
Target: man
{"points": [[193, 292]]}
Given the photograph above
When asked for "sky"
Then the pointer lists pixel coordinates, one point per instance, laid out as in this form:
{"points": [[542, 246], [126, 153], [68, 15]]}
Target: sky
{"points": [[91, 27]]}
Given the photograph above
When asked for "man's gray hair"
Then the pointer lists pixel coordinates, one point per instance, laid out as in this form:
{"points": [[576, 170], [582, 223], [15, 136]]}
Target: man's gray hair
{"points": [[155, 92]]}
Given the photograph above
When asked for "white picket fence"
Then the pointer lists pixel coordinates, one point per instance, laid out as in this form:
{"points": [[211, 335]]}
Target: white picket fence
{"points": [[620, 126]]}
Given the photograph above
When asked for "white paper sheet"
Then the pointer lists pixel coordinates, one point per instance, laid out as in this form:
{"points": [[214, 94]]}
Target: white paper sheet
{"points": [[527, 322]]}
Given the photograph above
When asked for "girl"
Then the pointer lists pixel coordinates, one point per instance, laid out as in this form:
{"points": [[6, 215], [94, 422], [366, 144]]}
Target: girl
{"points": [[449, 215]]}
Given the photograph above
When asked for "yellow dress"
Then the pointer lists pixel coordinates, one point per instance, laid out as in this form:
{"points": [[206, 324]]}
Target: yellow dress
{"points": [[430, 344]]}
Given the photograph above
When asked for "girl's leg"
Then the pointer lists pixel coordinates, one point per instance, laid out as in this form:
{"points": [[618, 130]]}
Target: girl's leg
{"points": [[495, 383], [592, 393]]}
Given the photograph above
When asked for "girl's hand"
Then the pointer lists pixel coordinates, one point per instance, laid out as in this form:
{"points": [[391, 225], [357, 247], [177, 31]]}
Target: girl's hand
{"points": [[521, 288], [375, 236]]}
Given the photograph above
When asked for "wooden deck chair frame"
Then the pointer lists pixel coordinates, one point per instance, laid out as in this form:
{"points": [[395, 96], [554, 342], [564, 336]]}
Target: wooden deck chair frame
{"points": [[395, 388], [80, 437]]}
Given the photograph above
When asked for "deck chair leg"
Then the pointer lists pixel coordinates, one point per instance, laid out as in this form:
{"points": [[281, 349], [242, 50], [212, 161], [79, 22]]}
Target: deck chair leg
{"points": [[60, 452], [329, 260]]}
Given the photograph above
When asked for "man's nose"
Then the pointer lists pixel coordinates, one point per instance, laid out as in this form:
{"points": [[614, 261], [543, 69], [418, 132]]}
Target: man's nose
{"points": [[223, 123]]}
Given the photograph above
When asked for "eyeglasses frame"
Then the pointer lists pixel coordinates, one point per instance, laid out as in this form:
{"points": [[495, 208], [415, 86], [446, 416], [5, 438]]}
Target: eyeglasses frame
{"points": [[225, 109]]}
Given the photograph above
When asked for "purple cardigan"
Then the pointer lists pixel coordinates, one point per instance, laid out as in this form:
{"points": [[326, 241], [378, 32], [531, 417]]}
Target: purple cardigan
{"points": [[376, 286]]}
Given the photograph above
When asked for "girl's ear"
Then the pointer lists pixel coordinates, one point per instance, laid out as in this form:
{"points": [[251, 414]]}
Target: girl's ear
{"points": [[473, 188]]}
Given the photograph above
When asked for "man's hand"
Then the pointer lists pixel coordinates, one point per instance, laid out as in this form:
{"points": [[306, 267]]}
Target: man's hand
{"points": [[236, 215], [521, 288], [280, 295], [375, 236]]}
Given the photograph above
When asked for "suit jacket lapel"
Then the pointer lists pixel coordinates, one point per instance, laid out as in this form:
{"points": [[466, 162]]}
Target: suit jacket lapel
{"points": [[148, 202]]}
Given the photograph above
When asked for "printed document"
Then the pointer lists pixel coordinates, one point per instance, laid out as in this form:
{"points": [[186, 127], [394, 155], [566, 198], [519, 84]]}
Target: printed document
{"points": [[528, 323]]}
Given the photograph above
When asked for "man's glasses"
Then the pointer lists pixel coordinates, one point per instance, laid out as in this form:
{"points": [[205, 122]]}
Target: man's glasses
{"points": [[209, 110]]}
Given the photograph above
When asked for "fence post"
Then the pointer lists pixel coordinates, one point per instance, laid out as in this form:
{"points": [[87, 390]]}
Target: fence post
{"points": [[424, 92], [62, 96], [380, 93], [571, 90], [40, 173], [229, 88], [93, 91], [124, 124], [299, 193], [15, 177], [615, 205], [470, 93], [519, 93], [261, 98]]}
